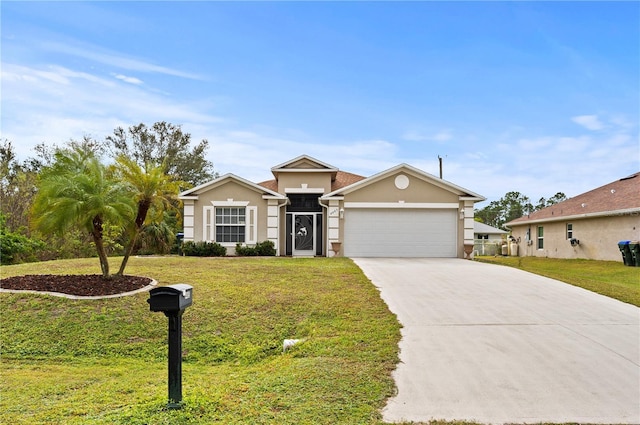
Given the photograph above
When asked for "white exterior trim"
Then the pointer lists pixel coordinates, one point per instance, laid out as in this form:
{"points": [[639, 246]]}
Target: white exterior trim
{"points": [[229, 203], [251, 224], [401, 204], [188, 224], [304, 190]]}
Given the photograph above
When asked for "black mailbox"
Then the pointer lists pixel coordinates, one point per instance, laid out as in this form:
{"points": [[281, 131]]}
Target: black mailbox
{"points": [[170, 298], [172, 301]]}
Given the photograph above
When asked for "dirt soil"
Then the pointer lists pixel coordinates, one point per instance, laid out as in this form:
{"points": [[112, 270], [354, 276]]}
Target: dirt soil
{"points": [[84, 285]]}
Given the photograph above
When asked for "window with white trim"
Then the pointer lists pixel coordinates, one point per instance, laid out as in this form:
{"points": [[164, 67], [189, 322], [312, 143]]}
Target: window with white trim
{"points": [[540, 237], [230, 224], [569, 231]]}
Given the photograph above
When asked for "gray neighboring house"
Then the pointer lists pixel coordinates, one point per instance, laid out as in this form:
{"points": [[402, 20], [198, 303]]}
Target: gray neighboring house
{"points": [[487, 239], [485, 232], [589, 225]]}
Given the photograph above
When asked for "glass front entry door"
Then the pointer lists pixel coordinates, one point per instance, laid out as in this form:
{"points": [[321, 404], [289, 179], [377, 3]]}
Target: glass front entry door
{"points": [[304, 234]]}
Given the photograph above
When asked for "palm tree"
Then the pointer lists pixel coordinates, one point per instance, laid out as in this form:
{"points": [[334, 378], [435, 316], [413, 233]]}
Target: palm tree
{"points": [[153, 191], [76, 190]]}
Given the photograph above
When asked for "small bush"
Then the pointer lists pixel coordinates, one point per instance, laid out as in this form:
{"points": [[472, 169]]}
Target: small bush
{"points": [[263, 249], [203, 249], [17, 248]]}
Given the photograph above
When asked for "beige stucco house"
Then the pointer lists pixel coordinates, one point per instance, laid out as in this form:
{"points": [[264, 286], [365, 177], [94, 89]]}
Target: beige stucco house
{"points": [[311, 208], [589, 225]]}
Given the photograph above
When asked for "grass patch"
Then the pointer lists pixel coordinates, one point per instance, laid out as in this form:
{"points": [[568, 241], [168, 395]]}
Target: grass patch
{"points": [[104, 361], [609, 278]]}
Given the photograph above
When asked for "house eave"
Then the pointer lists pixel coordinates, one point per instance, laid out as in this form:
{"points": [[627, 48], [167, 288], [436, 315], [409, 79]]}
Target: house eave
{"points": [[616, 213], [203, 187]]}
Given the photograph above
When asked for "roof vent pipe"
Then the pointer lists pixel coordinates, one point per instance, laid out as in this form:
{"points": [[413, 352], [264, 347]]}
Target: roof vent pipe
{"points": [[440, 161]]}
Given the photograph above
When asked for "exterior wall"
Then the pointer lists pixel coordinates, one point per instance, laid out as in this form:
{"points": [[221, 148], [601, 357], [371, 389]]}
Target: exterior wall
{"points": [[385, 190], [312, 180], [229, 190], [598, 236], [418, 191]]}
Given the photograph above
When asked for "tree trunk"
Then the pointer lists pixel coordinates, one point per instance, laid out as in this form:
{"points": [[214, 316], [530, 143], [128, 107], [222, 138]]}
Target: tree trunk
{"points": [[143, 208], [97, 239]]}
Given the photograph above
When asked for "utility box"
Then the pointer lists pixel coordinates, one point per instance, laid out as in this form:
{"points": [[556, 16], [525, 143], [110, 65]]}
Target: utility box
{"points": [[170, 298]]}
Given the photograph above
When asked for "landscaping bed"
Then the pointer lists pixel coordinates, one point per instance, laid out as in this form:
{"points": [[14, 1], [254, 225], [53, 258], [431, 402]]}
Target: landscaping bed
{"points": [[71, 284]]}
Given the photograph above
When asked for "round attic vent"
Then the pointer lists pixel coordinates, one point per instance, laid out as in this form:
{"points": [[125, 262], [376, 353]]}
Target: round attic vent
{"points": [[402, 182]]}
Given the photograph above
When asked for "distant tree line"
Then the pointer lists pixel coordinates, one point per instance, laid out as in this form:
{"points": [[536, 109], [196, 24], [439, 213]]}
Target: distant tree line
{"points": [[116, 196], [513, 205]]}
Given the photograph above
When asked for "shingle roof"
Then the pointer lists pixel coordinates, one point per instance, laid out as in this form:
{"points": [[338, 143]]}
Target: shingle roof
{"points": [[270, 184], [620, 195], [343, 179]]}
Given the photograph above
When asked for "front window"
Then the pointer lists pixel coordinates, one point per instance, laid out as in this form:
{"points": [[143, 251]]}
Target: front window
{"points": [[230, 224], [569, 231], [540, 237]]}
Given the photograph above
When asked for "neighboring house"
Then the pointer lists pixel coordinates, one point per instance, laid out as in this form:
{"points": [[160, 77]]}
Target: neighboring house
{"points": [[485, 232], [314, 209], [589, 225], [488, 240]]}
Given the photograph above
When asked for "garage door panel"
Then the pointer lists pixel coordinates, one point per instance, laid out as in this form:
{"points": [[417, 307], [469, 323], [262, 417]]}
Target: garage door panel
{"points": [[400, 233]]}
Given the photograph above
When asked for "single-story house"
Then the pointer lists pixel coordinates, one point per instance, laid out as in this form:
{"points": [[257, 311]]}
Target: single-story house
{"points": [[589, 225], [483, 231], [488, 239], [311, 208]]}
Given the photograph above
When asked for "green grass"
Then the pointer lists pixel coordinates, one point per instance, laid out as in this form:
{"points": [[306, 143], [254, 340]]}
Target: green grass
{"points": [[104, 361], [609, 278]]}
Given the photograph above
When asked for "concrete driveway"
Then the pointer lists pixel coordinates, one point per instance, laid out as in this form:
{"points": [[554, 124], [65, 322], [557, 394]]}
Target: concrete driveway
{"points": [[495, 344]]}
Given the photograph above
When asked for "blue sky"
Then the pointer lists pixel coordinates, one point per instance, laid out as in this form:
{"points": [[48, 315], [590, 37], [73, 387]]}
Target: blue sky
{"points": [[536, 97]]}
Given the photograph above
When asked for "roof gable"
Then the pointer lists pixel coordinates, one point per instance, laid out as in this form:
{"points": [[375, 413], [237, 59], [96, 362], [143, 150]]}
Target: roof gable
{"points": [[304, 162], [618, 196], [460, 191], [194, 192]]}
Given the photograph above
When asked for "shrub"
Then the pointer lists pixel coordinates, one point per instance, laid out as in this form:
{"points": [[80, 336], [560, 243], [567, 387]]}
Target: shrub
{"points": [[264, 249], [16, 248], [203, 249]]}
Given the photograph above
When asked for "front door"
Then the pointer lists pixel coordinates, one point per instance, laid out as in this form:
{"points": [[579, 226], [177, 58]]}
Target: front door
{"points": [[303, 234]]}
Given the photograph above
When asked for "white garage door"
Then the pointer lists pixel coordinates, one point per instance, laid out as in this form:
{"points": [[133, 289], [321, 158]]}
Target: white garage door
{"points": [[400, 233]]}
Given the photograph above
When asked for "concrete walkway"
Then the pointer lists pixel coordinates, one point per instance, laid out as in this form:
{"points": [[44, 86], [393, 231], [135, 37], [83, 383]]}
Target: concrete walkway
{"points": [[495, 344]]}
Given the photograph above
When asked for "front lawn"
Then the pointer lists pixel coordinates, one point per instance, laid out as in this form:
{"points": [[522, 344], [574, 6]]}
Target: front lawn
{"points": [[609, 278], [104, 361]]}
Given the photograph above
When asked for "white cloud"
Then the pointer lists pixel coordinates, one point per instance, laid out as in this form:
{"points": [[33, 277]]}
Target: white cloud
{"points": [[54, 104], [590, 122], [100, 55], [130, 80]]}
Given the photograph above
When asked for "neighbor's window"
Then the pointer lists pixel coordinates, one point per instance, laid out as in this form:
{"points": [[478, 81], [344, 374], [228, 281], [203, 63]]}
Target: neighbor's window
{"points": [[540, 237], [569, 231], [481, 236], [230, 224]]}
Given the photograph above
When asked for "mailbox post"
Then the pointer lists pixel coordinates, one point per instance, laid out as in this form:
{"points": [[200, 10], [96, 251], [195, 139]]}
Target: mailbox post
{"points": [[172, 301]]}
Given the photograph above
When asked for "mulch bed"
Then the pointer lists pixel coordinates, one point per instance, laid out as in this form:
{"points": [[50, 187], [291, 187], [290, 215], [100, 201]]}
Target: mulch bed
{"points": [[82, 285]]}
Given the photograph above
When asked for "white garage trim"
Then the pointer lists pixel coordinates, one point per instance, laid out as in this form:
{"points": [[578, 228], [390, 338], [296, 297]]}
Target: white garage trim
{"points": [[421, 205], [401, 232]]}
